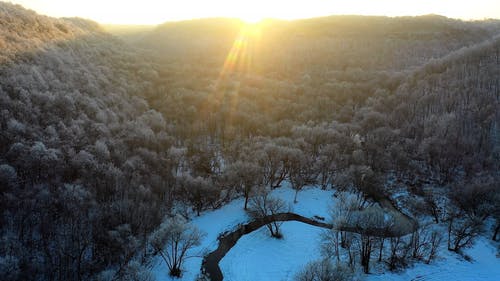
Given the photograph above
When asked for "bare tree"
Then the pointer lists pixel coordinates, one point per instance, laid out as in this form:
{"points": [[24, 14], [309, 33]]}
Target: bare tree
{"points": [[434, 243], [398, 253], [369, 218], [262, 205], [341, 214], [172, 240], [324, 270], [432, 206], [496, 216], [133, 271], [330, 244], [462, 230], [199, 192], [350, 211], [300, 170], [273, 162], [245, 177]]}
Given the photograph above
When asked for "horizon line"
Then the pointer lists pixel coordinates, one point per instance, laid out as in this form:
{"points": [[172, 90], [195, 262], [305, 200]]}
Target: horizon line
{"points": [[288, 19]]}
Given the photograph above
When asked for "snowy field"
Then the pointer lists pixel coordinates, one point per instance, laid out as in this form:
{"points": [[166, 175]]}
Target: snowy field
{"points": [[258, 257], [311, 202], [452, 267]]}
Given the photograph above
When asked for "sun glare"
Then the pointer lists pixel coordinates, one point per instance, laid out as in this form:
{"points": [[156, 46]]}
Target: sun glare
{"points": [[239, 58], [160, 11], [251, 19]]}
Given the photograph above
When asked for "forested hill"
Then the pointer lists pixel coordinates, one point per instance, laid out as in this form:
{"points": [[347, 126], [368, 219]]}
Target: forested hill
{"points": [[292, 48], [444, 118], [317, 70], [76, 138], [25, 31]]}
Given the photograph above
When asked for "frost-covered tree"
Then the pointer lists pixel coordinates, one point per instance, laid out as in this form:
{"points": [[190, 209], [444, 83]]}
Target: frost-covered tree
{"points": [[245, 177], [262, 205], [462, 230], [300, 170], [173, 240], [199, 192], [133, 271], [325, 270], [8, 176], [369, 218]]}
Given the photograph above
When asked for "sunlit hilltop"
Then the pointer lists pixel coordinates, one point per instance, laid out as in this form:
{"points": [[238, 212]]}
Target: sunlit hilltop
{"points": [[158, 11]]}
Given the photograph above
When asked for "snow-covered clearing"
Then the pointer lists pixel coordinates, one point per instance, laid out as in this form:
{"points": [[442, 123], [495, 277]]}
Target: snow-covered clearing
{"points": [[311, 202], [450, 266], [258, 257]]}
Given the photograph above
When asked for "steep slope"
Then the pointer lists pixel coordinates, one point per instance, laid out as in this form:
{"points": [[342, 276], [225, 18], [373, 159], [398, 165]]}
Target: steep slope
{"points": [[80, 178], [441, 125], [24, 31], [451, 110]]}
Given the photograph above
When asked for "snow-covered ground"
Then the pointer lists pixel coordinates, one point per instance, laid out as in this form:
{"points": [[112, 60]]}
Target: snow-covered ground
{"points": [[485, 266], [258, 257], [212, 223], [311, 202]]}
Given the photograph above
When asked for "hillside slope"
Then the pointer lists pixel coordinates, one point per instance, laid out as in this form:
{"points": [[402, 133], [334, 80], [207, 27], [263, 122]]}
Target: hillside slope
{"points": [[441, 124], [25, 31], [450, 109], [77, 140], [296, 47]]}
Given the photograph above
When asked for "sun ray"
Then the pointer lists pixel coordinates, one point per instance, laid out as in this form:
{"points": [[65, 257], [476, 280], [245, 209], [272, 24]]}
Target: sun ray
{"points": [[237, 64], [238, 59]]}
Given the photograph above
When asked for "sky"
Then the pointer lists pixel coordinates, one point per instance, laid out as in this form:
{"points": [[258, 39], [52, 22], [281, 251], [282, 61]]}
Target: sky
{"points": [[159, 11]]}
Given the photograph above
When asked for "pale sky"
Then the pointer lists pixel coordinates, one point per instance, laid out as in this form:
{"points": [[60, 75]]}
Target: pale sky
{"points": [[159, 11]]}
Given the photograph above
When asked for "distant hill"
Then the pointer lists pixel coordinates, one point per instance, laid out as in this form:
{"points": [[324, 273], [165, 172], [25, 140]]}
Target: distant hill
{"points": [[204, 36], [23, 30], [335, 42], [129, 33]]}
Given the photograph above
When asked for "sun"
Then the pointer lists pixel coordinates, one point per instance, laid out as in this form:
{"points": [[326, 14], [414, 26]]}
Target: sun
{"points": [[251, 18], [240, 57]]}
